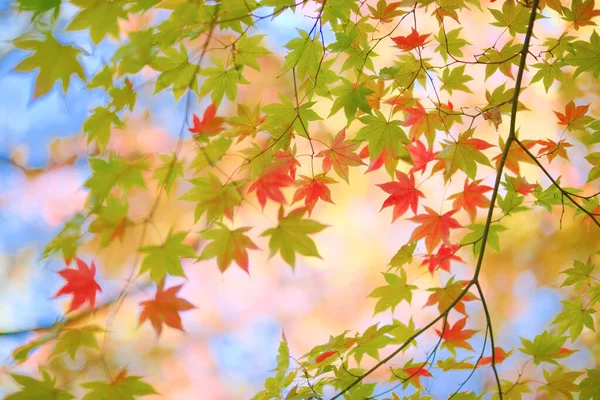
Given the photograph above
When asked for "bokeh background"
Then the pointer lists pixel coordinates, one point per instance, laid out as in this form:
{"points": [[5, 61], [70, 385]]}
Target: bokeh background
{"points": [[231, 338]]}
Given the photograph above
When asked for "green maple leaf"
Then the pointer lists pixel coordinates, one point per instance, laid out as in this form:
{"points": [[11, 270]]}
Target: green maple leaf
{"points": [[122, 387], [213, 198], [404, 255], [493, 239], [290, 236], [228, 246], [574, 317], [101, 17], [452, 364], [548, 73], [579, 275], [512, 390], [99, 125], [594, 159], [464, 154], [585, 55], [111, 220], [67, 240], [249, 49], [72, 339], [513, 16], [211, 153], [168, 172], [406, 71], [234, 13], [502, 60], [138, 52], [103, 79], [393, 293], [560, 383], [176, 70], [166, 258], [351, 97], [55, 62], [245, 123], [280, 116], [38, 389], [590, 386], [305, 54], [22, 352], [450, 44], [221, 81], [39, 7], [123, 96], [371, 341], [455, 80], [382, 134], [115, 171], [545, 348]]}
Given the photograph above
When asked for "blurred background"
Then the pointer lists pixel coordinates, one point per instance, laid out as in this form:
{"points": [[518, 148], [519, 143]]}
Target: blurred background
{"points": [[231, 338]]}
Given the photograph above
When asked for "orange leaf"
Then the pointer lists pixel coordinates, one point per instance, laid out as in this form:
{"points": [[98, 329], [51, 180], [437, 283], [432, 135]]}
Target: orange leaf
{"points": [[443, 257], [434, 228], [499, 354], [377, 162], [269, 185], [340, 156], [164, 308], [573, 114], [521, 186], [415, 374], [312, 190], [289, 161], [471, 197], [412, 41], [81, 284], [210, 124], [457, 336], [403, 195], [420, 156], [551, 149]]}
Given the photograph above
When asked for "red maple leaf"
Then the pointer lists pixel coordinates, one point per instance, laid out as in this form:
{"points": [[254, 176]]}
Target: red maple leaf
{"points": [[551, 149], [420, 156], [289, 161], [457, 336], [573, 114], [412, 41], [210, 124], [81, 284], [415, 374], [521, 186], [325, 356], [376, 162], [499, 354], [471, 197], [164, 308], [400, 102], [420, 121], [434, 228], [340, 156], [583, 13], [403, 194], [312, 190], [443, 257], [269, 184]]}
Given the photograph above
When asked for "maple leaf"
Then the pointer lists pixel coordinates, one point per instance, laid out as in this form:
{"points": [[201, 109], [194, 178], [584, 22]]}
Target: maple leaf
{"points": [[403, 194], [434, 228], [420, 156], [443, 257], [521, 186], [574, 116], [213, 198], [385, 12], [445, 296], [55, 62], [312, 190], [422, 122], [546, 348], [122, 387], [581, 13], [464, 154], [400, 102], [340, 156], [246, 122], [413, 374], [456, 336], [73, 338], [471, 197], [290, 236], [269, 184], [228, 246], [412, 41], [289, 160], [396, 291], [164, 308], [499, 355], [166, 258], [515, 155], [210, 124], [551, 149], [38, 389], [376, 162], [81, 283]]}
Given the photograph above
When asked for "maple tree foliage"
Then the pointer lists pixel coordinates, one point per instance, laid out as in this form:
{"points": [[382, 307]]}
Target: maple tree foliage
{"points": [[440, 124]]}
